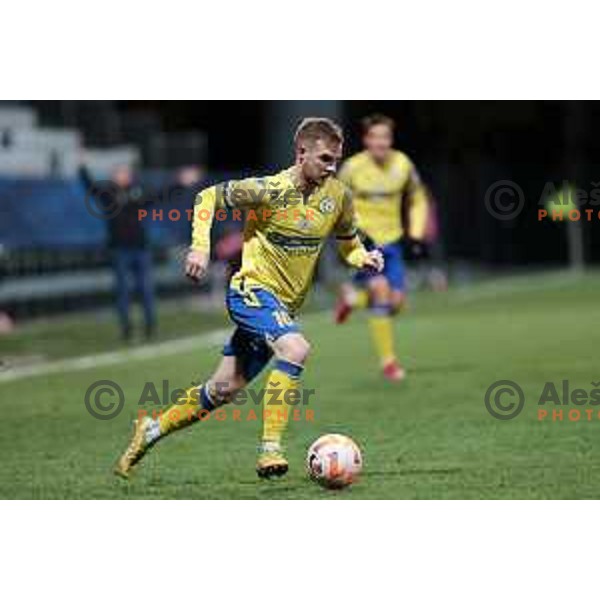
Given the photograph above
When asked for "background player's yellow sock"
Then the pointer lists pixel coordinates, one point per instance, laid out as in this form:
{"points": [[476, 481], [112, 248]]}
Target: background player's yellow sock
{"points": [[361, 300], [285, 376], [382, 332], [185, 412]]}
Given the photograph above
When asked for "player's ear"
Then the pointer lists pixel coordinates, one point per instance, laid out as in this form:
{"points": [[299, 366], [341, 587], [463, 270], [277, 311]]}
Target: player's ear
{"points": [[301, 150]]}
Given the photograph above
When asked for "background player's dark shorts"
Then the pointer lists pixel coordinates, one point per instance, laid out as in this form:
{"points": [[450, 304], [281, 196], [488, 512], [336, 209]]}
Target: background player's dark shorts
{"points": [[393, 269], [260, 318]]}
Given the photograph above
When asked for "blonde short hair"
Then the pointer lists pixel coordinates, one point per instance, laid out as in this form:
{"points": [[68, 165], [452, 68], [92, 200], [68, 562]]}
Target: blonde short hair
{"points": [[312, 129]]}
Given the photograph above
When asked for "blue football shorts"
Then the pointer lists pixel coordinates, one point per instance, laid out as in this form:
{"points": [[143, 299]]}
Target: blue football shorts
{"points": [[260, 318], [393, 269]]}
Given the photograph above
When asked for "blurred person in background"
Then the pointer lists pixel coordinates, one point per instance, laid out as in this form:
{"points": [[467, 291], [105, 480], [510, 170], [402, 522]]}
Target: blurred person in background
{"points": [[190, 176], [383, 181], [227, 260], [119, 199], [6, 323], [228, 250]]}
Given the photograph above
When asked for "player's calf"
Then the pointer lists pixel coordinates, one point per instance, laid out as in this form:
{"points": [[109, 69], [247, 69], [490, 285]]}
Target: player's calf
{"points": [[383, 304], [292, 350]]}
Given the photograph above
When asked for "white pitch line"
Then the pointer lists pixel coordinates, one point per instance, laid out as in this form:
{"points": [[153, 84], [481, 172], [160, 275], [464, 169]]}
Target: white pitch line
{"points": [[82, 363], [489, 289]]}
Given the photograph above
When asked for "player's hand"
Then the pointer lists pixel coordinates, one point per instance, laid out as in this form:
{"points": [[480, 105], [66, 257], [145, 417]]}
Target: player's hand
{"points": [[415, 249], [374, 260], [196, 264]]}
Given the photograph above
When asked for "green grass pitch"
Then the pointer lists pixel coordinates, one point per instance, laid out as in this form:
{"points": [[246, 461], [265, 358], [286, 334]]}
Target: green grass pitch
{"points": [[428, 437]]}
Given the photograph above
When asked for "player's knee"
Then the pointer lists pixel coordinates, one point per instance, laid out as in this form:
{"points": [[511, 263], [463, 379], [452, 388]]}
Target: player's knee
{"points": [[380, 290], [295, 350]]}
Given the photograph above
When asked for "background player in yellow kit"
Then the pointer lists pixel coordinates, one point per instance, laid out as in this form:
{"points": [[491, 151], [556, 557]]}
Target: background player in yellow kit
{"points": [[381, 179], [289, 216]]}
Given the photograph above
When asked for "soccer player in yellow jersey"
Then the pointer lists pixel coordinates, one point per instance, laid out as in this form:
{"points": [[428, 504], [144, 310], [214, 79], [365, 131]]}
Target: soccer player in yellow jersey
{"points": [[381, 179], [288, 217]]}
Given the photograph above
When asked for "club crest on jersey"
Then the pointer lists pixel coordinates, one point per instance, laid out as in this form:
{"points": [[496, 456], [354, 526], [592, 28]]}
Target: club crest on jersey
{"points": [[327, 205]]}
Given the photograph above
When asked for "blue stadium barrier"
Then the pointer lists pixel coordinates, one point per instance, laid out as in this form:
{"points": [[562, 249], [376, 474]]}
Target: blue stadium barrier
{"points": [[46, 214], [53, 214]]}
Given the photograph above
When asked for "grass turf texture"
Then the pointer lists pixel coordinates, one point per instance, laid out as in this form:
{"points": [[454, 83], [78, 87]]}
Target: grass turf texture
{"points": [[79, 335], [429, 437]]}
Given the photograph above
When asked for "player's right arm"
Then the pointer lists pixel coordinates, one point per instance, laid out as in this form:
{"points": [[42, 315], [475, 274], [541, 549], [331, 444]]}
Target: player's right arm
{"points": [[240, 194]]}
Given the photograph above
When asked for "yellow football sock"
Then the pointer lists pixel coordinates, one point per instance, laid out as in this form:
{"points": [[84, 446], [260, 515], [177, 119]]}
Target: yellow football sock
{"points": [[383, 336], [188, 409], [361, 300], [284, 377]]}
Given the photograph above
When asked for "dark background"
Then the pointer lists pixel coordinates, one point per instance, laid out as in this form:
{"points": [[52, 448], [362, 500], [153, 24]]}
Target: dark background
{"points": [[460, 148]]}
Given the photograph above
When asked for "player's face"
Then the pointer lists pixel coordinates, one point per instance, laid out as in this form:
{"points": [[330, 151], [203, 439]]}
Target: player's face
{"points": [[378, 141], [319, 160]]}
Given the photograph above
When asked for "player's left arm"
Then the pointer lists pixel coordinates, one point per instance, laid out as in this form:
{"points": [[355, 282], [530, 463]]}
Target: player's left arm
{"points": [[349, 243]]}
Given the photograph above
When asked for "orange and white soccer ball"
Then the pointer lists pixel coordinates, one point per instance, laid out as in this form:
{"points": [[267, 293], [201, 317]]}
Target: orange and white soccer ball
{"points": [[334, 460]]}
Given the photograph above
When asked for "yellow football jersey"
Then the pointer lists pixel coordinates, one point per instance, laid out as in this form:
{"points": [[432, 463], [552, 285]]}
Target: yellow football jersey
{"points": [[378, 192], [284, 231]]}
